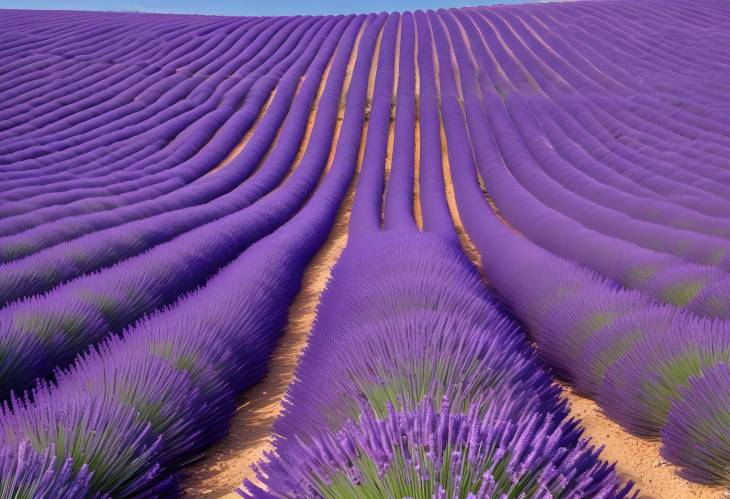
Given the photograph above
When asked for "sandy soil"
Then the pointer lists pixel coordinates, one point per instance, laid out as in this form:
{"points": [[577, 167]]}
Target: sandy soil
{"points": [[246, 136], [637, 458], [228, 462]]}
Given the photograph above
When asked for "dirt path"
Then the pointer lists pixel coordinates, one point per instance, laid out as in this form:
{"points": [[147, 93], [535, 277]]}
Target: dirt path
{"points": [[638, 458], [229, 461]]}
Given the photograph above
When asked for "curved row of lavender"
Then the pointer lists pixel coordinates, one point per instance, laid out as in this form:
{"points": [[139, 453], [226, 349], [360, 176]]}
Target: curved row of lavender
{"points": [[434, 391], [46, 331], [556, 217], [80, 255], [205, 142], [657, 369], [130, 412], [168, 108]]}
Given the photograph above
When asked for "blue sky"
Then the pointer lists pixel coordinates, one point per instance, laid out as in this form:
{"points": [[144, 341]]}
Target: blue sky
{"points": [[248, 7]]}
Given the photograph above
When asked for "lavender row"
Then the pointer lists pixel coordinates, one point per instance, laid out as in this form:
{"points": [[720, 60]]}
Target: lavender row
{"points": [[148, 76], [603, 339], [187, 167], [605, 102], [600, 337], [549, 191], [565, 69], [230, 137], [161, 219], [151, 97], [94, 126], [171, 56], [668, 116], [140, 406], [662, 56], [701, 288], [199, 149], [523, 161], [445, 393]]}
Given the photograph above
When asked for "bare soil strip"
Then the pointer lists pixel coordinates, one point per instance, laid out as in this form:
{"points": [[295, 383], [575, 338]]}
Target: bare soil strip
{"points": [[638, 458], [228, 462], [246, 136]]}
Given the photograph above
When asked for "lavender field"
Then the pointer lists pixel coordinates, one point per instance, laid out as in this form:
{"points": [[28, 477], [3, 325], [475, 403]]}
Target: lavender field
{"points": [[464, 253]]}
